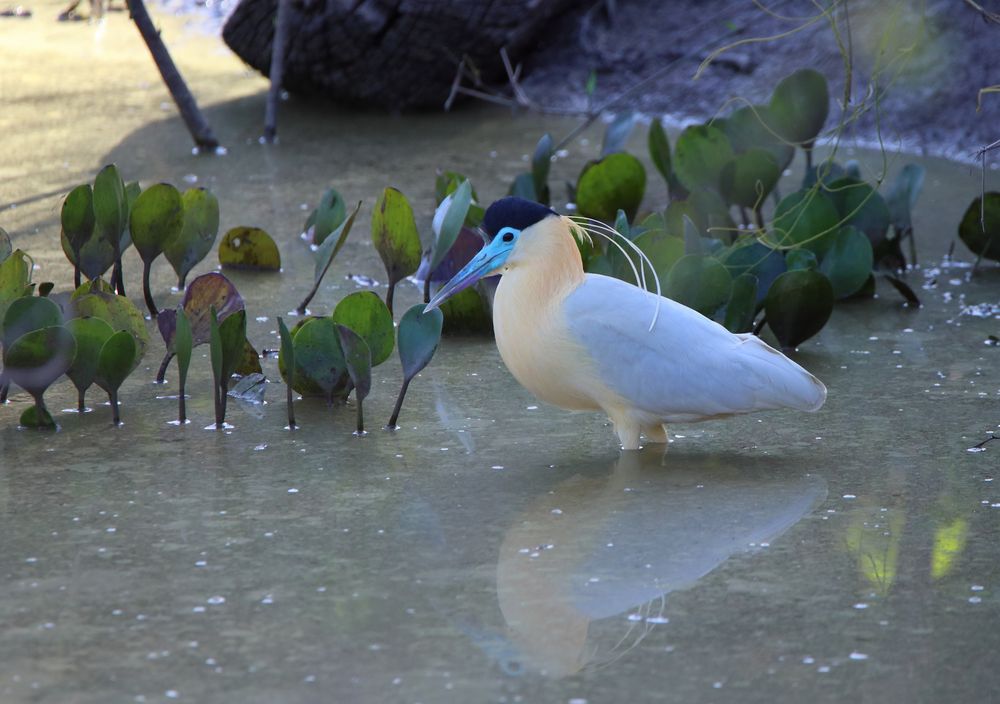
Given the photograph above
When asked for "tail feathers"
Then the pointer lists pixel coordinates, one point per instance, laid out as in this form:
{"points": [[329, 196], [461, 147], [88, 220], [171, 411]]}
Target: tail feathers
{"points": [[784, 384]]}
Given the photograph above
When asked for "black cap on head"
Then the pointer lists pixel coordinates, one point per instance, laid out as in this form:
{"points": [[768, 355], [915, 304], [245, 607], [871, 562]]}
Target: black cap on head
{"points": [[513, 212]]}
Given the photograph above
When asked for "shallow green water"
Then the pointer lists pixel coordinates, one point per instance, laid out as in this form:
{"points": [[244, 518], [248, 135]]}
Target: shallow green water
{"points": [[495, 549]]}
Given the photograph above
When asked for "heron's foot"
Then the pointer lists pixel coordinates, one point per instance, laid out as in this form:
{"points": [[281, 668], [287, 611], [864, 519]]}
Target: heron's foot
{"points": [[656, 434]]}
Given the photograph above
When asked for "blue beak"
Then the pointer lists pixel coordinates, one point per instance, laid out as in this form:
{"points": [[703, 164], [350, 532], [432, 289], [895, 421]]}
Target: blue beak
{"points": [[489, 259]]}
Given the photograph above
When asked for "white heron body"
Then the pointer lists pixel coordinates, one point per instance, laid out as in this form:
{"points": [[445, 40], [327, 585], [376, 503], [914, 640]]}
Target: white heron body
{"points": [[583, 342]]}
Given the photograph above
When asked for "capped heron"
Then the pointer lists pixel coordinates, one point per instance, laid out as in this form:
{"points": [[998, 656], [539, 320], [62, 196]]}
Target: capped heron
{"points": [[595, 343]]}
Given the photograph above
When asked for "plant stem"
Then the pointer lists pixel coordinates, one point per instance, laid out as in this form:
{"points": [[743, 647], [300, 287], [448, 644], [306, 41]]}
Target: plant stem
{"points": [[181, 404], [115, 418], [161, 374], [4, 388], [391, 425], [76, 272], [81, 401], [277, 70], [291, 409], [759, 216], [146, 293], [361, 419], [196, 124], [427, 288], [389, 296], [220, 414], [809, 157]]}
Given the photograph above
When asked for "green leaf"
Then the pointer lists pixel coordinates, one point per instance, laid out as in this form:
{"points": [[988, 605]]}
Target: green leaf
{"points": [[96, 255], [700, 154], [747, 179], [860, 205], [26, 314], [524, 187], [110, 205], [748, 128], [419, 335], [15, 279], [320, 368], [119, 356], [467, 313], [77, 216], [798, 305], [327, 251], [692, 238], [804, 259], [5, 245], [287, 351], [394, 234], [215, 346], [90, 335], [903, 196], [541, 163], [36, 417], [327, 217], [366, 315], [249, 248], [663, 250], [197, 236], [156, 218], [752, 257], [848, 261], [980, 226], [617, 132], [91, 300], [232, 335], [183, 345], [807, 218], [659, 152], [454, 218], [37, 358], [617, 181], [742, 304], [699, 281], [799, 106], [591, 85], [358, 358]]}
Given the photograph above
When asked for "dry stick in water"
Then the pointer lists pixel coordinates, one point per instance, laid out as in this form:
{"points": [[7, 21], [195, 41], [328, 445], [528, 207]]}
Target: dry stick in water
{"points": [[199, 128], [277, 70]]}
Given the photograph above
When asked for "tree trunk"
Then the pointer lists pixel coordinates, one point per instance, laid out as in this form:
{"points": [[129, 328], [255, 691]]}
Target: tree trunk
{"points": [[390, 53]]}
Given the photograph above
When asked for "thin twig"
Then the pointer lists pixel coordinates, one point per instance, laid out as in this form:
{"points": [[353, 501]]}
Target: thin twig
{"points": [[990, 17]]}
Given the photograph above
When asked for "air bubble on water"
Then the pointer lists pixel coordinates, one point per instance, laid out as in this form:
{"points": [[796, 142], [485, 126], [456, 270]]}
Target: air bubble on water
{"points": [[823, 668], [201, 563], [858, 656], [808, 660], [198, 609], [657, 619], [635, 617], [975, 599], [849, 496], [861, 605], [191, 178], [293, 490], [268, 599], [976, 449], [977, 587], [216, 600], [556, 512]]}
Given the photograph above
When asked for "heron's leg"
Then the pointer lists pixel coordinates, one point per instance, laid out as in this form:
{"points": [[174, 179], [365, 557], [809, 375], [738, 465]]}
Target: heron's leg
{"points": [[628, 430], [655, 433]]}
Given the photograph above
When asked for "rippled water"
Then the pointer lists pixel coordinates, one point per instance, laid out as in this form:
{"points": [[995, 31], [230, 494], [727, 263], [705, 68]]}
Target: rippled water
{"points": [[494, 549]]}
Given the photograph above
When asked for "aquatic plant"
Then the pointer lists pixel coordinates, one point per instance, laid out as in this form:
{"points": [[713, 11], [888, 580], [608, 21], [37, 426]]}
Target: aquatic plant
{"points": [[156, 218], [979, 229], [249, 248], [197, 236], [329, 244], [793, 256], [419, 335], [395, 236]]}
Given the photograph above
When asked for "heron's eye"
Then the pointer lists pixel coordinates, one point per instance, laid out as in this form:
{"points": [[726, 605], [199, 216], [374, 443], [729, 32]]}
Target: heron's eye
{"points": [[509, 237]]}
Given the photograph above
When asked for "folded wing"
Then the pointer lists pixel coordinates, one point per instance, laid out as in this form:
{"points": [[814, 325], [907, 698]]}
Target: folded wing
{"points": [[688, 367]]}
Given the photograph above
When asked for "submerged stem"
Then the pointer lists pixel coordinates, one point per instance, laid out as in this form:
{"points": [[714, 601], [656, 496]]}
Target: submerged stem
{"points": [[389, 296], [291, 408], [391, 425], [361, 418], [181, 405], [81, 403], [115, 417], [161, 374]]}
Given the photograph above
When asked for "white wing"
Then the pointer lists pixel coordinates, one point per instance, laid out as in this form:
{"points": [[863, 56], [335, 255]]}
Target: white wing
{"points": [[688, 367]]}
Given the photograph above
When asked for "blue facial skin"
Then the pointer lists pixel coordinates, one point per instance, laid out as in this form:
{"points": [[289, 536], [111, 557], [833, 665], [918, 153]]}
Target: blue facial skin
{"points": [[489, 259]]}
